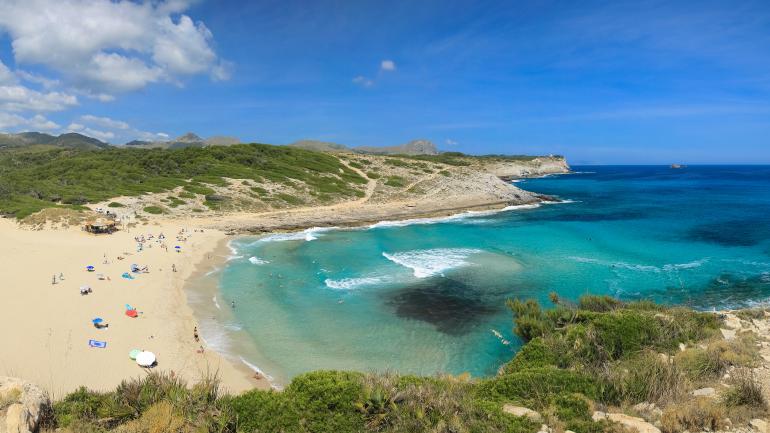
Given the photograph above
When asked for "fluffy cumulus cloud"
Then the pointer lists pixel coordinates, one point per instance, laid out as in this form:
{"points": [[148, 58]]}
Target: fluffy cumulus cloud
{"points": [[20, 98], [37, 122], [64, 50], [107, 46]]}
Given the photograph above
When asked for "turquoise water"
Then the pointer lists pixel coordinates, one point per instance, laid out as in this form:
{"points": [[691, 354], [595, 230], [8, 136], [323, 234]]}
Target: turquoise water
{"points": [[429, 296]]}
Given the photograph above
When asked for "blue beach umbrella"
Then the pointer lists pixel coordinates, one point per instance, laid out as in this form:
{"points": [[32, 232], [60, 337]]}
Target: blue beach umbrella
{"points": [[97, 320], [90, 268]]}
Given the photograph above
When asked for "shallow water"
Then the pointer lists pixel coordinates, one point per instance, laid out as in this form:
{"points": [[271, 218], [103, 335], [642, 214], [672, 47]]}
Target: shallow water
{"points": [[427, 295]]}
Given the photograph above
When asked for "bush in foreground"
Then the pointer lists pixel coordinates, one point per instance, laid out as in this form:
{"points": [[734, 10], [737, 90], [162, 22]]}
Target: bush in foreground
{"points": [[599, 353]]}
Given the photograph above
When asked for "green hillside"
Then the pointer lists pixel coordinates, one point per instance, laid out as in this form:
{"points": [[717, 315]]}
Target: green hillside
{"points": [[31, 181]]}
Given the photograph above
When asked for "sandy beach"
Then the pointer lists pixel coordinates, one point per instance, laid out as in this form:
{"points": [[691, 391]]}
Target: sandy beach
{"points": [[45, 328]]}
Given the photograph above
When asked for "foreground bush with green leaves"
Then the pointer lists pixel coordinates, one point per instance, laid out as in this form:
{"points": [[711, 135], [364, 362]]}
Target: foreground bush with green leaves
{"points": [[577, 358]]}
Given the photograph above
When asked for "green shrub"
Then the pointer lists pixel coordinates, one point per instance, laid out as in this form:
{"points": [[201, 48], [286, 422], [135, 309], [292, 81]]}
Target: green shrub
{"points": [[327, 399], [155, 210], [115, 204], [535, 386], [265, 411], [536, 353], [395, 181]]}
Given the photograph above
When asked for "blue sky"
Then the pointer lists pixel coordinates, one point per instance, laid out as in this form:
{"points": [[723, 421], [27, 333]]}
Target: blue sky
{"points": [[600, 82]]}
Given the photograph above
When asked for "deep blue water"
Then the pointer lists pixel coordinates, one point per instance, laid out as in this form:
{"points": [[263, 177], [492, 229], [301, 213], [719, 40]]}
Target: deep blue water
{"points": [[429, 296]]}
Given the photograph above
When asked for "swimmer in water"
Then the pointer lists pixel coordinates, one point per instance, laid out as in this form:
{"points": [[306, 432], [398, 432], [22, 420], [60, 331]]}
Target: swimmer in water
{"points": [[232, 304]]}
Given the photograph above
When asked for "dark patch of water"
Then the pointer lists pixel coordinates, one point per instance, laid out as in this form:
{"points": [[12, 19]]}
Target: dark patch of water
{"points": [[452, 306]]}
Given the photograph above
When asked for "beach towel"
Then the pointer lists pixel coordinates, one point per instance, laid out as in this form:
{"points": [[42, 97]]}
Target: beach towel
{"points": [[97, 344], [127, 276]]}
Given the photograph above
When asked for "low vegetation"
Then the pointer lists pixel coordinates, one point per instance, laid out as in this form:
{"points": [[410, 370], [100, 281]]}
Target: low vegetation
{"points": [[598, 354], [31, 181]]}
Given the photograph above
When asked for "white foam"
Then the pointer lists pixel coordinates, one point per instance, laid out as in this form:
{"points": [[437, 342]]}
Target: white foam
{"points": [[216, 304], [426, 263], [213, 271], [308, 235], [451, 218], [257, 261], [352, 283], [256, 369], [642, 268]]}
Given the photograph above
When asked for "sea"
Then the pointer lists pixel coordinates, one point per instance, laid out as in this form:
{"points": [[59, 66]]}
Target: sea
{"points": [[428, 296]]}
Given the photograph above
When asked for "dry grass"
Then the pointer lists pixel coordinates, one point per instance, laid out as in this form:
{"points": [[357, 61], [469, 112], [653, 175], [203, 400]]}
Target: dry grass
{"points": [[9, 398], [60, 217], [693, 415], [649, 377], [703, 365], [159, 418], [745, 390]]}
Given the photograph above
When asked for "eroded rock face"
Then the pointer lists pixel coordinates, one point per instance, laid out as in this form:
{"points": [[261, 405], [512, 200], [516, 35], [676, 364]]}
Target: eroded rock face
{"points": [[21, 406]]}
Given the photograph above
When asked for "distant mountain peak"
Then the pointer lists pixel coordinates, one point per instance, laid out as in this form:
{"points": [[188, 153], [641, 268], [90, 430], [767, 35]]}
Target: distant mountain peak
{"points": [[414, 147], [190, 137]]}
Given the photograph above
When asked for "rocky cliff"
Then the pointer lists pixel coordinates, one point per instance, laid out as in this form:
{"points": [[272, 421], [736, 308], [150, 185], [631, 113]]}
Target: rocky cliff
{"points": [[535, 167]]}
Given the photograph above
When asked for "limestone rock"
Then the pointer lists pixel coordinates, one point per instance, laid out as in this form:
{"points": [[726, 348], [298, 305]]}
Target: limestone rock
{"points": [[522, 411], [728, 334], [704, 392], [732, 322], [598, 416], [632, 423], [24, 403], [759, 425]]}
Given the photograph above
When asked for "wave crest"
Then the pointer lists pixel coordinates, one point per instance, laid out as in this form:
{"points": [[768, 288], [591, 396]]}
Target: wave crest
{"points": [[426, 263]]}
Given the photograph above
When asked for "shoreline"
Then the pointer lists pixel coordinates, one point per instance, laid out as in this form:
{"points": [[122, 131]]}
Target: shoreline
{"points": [[198, 284], [203, 291]]}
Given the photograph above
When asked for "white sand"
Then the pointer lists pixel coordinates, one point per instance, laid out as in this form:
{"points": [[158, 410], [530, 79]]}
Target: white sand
{"points": [[45, 328]]}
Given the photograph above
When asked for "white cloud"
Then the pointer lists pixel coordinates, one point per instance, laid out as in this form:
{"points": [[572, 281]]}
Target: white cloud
{"points": [[8, 120], [47, 83], [388, 65], [108, 46], [6, 76], [450, 142], [104, 121], [20, 98], [363, 81], [95, 133], [39, 123], [17, 122], [112, 130]]}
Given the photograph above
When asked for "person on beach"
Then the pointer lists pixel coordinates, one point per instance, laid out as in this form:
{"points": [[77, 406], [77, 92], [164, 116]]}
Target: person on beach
{"points": [[53, 281], [61, 276], [173, 267], [195, 334]]}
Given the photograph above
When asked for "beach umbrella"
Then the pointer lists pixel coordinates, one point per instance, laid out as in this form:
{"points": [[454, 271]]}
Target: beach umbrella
{"points": [[90, 268], [134, 353], [131, 313], [145, 359], [97, 320]]}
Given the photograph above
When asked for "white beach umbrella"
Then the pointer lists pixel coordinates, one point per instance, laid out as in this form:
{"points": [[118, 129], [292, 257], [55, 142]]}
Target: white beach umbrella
{"points": [[145, 359]]}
